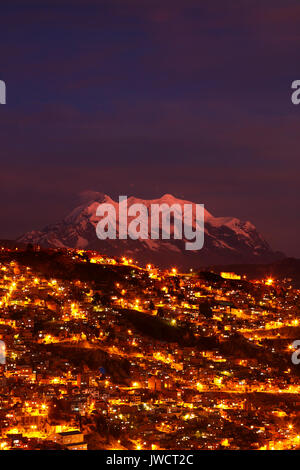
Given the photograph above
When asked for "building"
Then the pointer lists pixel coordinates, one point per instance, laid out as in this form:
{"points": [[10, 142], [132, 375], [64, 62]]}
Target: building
{"points": [[73, 440]]}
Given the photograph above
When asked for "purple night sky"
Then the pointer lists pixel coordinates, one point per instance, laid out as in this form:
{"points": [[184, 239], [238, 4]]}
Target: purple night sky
{"points": [[145, 98]]}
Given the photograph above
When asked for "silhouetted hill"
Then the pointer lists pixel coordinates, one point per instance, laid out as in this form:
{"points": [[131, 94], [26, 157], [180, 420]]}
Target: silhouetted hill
{"points": [[285, 268]]}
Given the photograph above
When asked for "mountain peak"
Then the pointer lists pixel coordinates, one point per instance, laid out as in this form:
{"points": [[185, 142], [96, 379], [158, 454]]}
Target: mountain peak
{"points": [[227, 239], [169, 197]]}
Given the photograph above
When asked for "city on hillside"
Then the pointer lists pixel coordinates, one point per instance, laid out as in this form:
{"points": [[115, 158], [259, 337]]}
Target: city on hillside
{"points": [[102, 353]]}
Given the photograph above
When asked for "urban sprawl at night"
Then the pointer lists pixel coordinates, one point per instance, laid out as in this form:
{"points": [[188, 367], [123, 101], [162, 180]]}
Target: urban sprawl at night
{"points": [[103, 353]]}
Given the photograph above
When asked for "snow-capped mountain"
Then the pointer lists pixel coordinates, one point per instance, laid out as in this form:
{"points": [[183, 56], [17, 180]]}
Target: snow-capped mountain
{"points": [[226, 239]]}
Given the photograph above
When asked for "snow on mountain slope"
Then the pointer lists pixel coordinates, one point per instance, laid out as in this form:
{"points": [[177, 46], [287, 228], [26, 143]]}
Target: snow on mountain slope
{"points": [[227, 239]]}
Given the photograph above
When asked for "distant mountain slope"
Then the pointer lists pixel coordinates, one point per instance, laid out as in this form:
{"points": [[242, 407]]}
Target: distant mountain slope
{"points": [[226, 240], [288, 268]]}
